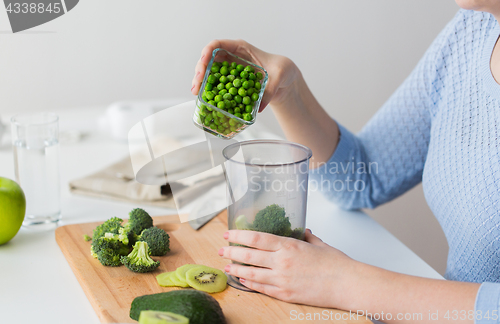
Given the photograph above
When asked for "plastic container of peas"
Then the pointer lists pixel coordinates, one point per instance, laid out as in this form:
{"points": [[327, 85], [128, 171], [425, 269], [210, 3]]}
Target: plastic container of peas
{"points": [[230, 94]]}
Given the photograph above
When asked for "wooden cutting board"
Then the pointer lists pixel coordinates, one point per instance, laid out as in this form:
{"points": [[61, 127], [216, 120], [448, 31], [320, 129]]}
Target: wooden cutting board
{"points": [[111, 290]]}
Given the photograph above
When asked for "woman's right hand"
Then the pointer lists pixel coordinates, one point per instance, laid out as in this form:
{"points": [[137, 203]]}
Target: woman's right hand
{"points": [[281, 70]]}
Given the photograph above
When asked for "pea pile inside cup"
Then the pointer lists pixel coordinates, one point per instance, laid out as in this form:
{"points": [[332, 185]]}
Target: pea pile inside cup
{"points": [[231, 87]]}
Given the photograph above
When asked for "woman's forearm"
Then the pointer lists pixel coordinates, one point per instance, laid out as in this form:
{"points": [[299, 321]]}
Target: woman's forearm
{"points": [[418, 300], [304, 121]]}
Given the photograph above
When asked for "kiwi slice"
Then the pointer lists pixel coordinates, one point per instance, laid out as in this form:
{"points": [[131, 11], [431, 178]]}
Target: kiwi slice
{"points": [[157, 317], [206, 279], [164, 279], [181, 272], [177, 282], [241, 223]]}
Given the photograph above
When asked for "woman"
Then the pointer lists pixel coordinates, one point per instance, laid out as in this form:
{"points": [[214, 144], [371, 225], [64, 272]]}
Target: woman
{"points": [[441, 127]]}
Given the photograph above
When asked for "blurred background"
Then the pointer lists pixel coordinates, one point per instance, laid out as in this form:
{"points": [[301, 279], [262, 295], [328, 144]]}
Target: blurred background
{"points": [[353, 54]]}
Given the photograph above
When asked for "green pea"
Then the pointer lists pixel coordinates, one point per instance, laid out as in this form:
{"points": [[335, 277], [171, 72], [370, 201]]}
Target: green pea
{"points": [[234, 72], [250, 91], [233, 129], [237, 83], [238, 115], [251, 83], [202, 112], [217, 75], [248, 69], [231, 111], [211, 102], [240, 67], [238, 98], [224, 70], [233, 65], [257, 85], [227, 96], [233, 91], [211, 79], [207, 123], [225, 63], [229, 85], [244, 74], [225, 124], [251, 76], [209, 94], [232, 122], [255, 97], [216, 121], [237, 110], [246, 100], [221, 105], [209, 86], [220, 86], [223, 79], [241, 106], [217, 64], [259, 76], [221, 129], [227, 131], [233, 103], [214, 114], [219, 114], [247, 117], [214, 68], [215, 91], [227, 103], [231, 78], [213, 126], [204, 98], [218, 98], [248, 108], [245, 85], [222, 92], [242, 92]]}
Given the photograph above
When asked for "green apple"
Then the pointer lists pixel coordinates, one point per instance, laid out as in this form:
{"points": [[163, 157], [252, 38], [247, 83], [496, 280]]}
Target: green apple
{"points": [[12, 209]]}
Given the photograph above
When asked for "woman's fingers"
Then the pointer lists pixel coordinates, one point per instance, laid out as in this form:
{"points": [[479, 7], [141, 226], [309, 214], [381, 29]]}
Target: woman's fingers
{"points": [[258, 240], [246, 255], [261, 275], [266, 289], [313, 239], [199, 73]]}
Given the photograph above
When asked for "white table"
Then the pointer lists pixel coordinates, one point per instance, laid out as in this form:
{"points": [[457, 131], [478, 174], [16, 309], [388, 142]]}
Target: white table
{"points": [[38, 286]]}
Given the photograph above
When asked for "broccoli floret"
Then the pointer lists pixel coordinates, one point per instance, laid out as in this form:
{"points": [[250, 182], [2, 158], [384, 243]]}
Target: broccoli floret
{"points": [[139, 260], [108, 249], [86, 238], [272, 219], [139, 221], [158, 240], [112, 225]]}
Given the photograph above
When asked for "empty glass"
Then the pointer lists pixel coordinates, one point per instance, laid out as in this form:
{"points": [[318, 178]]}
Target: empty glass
{"points": [[267, 188], [35, 138]]}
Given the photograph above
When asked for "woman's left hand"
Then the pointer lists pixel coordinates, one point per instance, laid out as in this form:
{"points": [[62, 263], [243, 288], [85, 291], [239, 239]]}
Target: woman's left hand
{"points": [[311, 272]]}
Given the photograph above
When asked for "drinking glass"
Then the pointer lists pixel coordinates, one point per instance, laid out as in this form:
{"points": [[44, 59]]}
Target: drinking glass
{"points": [[35, 138], [267, 188]]}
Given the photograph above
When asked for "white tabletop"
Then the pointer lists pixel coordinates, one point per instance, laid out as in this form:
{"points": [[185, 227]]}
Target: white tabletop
{"points": [[38, 286]]}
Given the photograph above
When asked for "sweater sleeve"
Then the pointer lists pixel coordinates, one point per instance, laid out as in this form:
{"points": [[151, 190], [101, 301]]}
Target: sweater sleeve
{"points": [[487, 306], [387, 157]]}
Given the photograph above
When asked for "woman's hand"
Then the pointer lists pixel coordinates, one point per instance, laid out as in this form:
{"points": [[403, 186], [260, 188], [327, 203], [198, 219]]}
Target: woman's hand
{"points": [[310, 272], [282, 71]]}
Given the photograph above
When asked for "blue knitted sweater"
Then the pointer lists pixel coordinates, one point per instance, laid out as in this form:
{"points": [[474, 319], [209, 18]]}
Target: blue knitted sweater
{"points": [[441, 127]]}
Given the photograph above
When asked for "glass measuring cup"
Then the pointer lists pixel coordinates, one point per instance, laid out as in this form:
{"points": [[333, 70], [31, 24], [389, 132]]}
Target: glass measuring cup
{"points": [[267, 188]]}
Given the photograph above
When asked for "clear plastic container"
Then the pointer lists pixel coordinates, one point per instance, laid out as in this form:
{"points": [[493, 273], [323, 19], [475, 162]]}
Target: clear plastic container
{"points": [[267, 188], [220, 55]]}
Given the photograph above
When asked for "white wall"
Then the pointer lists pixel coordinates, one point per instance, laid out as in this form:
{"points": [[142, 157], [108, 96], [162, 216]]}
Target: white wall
{"points": [[353, 54]]}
